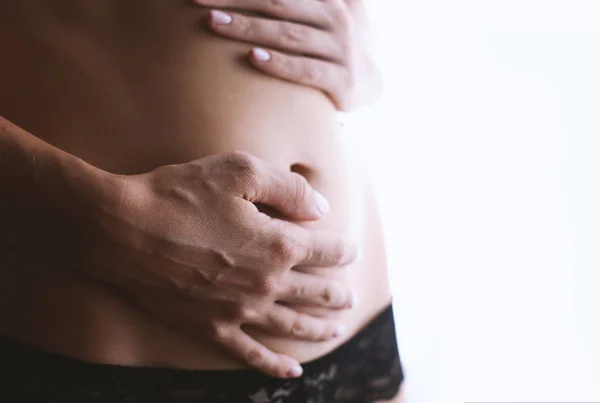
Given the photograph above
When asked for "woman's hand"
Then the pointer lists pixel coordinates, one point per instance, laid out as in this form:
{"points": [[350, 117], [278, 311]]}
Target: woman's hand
{"points": [[316, 43], [188, 243]]}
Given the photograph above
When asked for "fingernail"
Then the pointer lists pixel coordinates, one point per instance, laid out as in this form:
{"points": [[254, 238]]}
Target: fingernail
{"points": [[219, 17], [339, 330], [295, 371], [261, 54], [322, 203]]}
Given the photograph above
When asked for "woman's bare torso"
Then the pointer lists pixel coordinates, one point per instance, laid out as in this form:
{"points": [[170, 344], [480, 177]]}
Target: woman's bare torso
{"points": [[132, 85]]}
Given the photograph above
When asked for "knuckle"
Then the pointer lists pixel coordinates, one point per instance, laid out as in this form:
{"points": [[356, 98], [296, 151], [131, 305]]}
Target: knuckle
{"points": [[216, 277], [267, 286], [240, 160], [277, 4], [328, 294], [255, 357], [243, 166], [336, 294], [238, 312], [284, 251], [218, 331], [299, 291], [284, 65], [337, 253], [290, 34], [244, 25], [246, 314], [313, 73], [298, 326]]}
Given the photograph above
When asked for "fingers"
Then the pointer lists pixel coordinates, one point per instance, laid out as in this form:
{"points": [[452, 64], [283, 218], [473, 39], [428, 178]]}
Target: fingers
{"points": [[285, 322], [289, 244], [256, 355], [290, 194], [326, 249], [309, 247], [329, 77], [313, 290], [257, 181], [311, 12], [278, 34]]}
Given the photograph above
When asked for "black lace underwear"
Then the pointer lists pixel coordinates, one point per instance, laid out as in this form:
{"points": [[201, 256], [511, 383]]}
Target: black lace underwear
{"points": [[365, 369]]}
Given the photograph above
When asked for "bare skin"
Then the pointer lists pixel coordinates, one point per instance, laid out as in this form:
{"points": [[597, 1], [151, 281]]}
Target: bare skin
{"points": [[214, 284], [321, 44], [140, 82]]}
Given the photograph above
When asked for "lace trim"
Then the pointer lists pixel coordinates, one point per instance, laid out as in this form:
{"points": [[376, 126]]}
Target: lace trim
{"points": [[365, 369]]}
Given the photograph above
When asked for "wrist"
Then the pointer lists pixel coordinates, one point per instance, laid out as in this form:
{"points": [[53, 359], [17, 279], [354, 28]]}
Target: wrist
{"points": [[95, 202], [85, 188], [75, 192], [107, 209], [51, 201]]}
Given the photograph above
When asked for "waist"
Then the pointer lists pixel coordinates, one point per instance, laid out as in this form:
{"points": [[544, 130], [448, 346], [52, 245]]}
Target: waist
{"points": [[129, 87], [69, 314], [341, 369], [131, 94]]}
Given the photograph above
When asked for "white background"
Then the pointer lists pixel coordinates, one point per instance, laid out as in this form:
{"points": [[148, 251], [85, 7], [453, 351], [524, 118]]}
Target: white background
{"points": [[485, 153]]}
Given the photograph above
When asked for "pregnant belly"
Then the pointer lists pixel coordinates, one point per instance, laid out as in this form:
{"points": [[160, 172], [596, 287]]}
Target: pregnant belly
{"points": [[128, 87]]}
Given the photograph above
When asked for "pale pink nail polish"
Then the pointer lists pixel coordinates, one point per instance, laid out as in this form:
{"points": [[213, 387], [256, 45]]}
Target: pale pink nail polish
{"points": [[322, 204], [295, 371], [220, 18], [261, 54]]}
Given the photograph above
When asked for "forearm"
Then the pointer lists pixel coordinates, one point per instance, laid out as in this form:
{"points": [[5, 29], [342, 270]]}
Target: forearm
{"points": [[45, 193]]}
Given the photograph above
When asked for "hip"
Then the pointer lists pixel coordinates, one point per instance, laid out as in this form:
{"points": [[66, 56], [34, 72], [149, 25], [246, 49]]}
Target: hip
{"points": [[66, 313]]}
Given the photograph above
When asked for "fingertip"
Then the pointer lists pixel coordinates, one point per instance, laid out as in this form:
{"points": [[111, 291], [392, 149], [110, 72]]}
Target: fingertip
{"points": [[218, 18], [295, 371], [339, 330], [260, 55], [322, 204], [317, 210], [311, 216], [353, 250], [289, 368]]}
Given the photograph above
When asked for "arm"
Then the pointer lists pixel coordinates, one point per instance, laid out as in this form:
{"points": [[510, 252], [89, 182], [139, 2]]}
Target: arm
{"points": [[145, 234], [45, 195]]}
